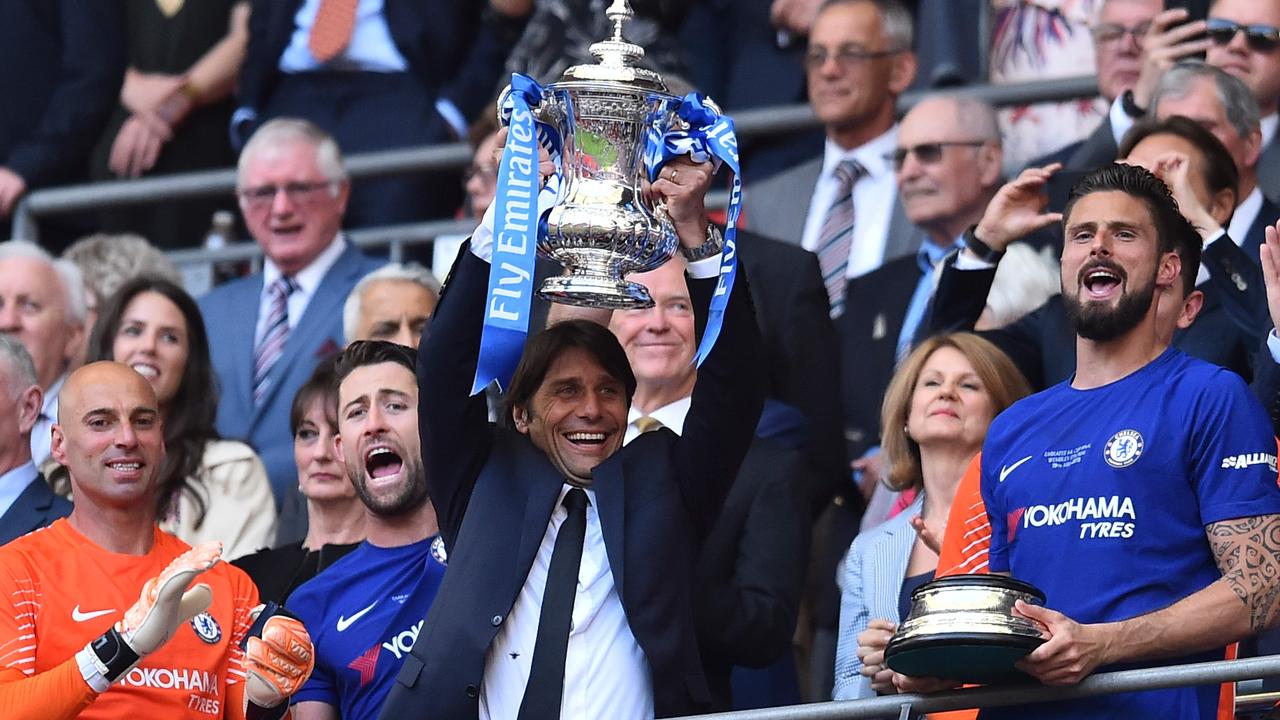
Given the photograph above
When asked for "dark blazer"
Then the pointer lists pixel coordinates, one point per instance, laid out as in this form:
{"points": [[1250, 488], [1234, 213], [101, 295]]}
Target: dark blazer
{"points": [[1042, 344], [230, 317], [63, 63], [36, 507], [494, 493], [750, 576], [456, 49]]}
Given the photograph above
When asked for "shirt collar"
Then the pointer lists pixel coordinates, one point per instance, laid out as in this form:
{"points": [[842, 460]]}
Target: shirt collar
{"points": [[930, 254], [873, 154], [17, 479], [1268, 125], [670, 415], [49, 407], [1244, 216], [309, 277]]}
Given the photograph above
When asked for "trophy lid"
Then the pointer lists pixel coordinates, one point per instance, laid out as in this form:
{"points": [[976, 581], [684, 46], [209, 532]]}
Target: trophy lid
{"points": [[616, 59]]}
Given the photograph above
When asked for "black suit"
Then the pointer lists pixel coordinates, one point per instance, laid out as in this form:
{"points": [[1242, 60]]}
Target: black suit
{"points": [[36, 507], [494, 493]]}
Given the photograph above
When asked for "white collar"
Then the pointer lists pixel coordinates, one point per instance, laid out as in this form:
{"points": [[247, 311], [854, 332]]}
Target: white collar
{"points": [[1269, 125], [670, 415], [309, 277], [873, 154], [50, 405], [1244, 216]]}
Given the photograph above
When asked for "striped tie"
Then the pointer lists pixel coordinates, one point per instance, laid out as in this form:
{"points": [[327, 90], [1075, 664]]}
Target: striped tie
{"points": [[836, 238], [269, 349]]}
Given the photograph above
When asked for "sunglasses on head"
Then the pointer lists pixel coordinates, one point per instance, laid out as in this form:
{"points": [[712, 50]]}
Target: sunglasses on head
{"points": [[928, 153], [1259, 38]]}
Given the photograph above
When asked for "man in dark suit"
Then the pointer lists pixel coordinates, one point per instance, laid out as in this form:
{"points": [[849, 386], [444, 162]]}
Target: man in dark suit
{"points": [[273, 326], [842, 204], [633, 518], [751, 572], [1199, 171], [412, 73], [64, 62], [26, 502]]}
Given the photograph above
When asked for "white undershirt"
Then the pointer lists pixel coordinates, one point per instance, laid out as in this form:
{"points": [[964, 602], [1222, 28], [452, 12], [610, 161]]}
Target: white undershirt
{"points": [[873, 200], [606, 674]]}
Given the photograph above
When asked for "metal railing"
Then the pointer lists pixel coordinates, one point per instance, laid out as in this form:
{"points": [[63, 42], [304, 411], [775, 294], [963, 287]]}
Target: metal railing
{"points": [[749, 123], [903, 706]]}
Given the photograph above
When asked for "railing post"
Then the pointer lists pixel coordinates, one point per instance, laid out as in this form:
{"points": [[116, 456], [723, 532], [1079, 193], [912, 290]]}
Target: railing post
{"points": [[24, 223]]}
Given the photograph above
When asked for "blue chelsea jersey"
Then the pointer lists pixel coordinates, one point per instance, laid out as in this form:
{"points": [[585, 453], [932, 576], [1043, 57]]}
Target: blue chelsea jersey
{"points": [[364, 614], [1100, 498]]}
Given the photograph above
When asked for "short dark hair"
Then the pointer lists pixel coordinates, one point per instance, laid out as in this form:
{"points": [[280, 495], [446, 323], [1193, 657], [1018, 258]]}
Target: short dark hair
{"points": [[1174, 232], [1220, 171], [543, 349], [322, 385], [362, 353]]}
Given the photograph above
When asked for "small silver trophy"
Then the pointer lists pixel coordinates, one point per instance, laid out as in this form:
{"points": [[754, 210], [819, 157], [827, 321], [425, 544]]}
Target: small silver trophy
{"points": [[601, 228]]}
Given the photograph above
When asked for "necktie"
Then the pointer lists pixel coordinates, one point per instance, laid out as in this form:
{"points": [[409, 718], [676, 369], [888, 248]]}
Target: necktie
{"points": [[836, 237], [647, 424], [169, 7], [271, 346], [546, 676], [331, 31]]}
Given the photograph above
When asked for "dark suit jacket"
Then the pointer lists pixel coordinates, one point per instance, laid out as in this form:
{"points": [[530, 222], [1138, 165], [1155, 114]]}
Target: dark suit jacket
{"points": [[1042, 344], [35, 508], [494, 492], [63, 65], [455, 48], [750, 576], [230, 317]]}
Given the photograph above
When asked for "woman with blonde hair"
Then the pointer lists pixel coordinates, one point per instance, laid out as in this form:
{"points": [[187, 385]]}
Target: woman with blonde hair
{"points": [[935, 416]]}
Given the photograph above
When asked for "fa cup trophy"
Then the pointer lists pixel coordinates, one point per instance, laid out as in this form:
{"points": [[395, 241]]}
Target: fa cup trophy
{"points": [[602, 228]]}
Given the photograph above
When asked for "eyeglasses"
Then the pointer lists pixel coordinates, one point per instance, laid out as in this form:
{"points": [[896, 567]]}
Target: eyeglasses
{"points": [[1113, 33], [1259, 38], [928, 153], [846, 57], [297, 192]]}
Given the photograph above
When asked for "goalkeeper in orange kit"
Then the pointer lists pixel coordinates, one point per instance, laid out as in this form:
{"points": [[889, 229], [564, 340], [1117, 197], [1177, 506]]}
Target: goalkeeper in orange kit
{"points": [[98, 614]]}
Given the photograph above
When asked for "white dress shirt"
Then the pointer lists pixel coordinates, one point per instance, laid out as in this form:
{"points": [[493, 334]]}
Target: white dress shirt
{"points": [[1241, 221], [606, 674], [873, 199], [671, 416], [371, 48], [13, 483], [308, 281], [42, 431]]}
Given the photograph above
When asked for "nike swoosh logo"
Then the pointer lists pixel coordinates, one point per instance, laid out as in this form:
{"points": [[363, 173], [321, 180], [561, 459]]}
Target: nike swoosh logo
{"points": [[85, 616], [1004, 471], [345, 622]]}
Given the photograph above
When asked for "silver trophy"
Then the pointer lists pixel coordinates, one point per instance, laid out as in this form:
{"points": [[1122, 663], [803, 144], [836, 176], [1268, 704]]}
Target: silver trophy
{"points": [[601, 228]]}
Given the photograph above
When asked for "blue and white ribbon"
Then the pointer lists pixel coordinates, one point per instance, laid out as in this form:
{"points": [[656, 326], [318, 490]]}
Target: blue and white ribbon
{"points": [[516, 229], [710, 136]]}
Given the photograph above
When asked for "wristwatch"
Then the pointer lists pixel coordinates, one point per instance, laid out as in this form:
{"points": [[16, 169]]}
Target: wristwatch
{"points": [[983, 251], [709, 247]]}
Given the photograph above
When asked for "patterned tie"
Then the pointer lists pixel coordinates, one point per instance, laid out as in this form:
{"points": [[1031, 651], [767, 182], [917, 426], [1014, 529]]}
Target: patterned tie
{"points": [[836, 237], [646, 424], [271, 346], [331, 31]]}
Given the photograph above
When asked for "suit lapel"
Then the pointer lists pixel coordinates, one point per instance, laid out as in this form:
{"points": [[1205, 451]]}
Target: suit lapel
{"points": [[544, 485], [243, 305], [1269, 169], [28, 510], [1268, 213], [610, 493]]}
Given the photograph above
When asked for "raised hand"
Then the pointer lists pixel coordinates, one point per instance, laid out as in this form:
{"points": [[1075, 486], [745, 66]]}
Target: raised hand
{"points": [[1270, 255], [682, 189], [1174, 168], [1170, 39], [1017, 210], [166, 603], [279, 662]]}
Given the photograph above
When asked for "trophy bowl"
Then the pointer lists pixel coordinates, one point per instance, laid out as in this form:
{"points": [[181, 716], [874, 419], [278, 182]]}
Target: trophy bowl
{"points": [[963, 627]]}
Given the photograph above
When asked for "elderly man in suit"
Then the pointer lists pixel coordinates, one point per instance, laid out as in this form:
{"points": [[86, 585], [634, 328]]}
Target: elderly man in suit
{"points": [[843, 204], [569, 591], [273, 326], [26, 502]]}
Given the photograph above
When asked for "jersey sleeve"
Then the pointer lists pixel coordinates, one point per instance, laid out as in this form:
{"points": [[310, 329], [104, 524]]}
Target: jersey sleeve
{"points": [[1233, 453], [997, 518]]}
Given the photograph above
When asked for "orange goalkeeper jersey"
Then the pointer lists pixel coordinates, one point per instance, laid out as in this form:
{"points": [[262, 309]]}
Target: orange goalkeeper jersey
{"points": [[60, 590]]}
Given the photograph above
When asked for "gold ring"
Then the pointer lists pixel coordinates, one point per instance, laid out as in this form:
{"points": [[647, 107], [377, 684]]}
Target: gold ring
{"points": [[673, 174]]}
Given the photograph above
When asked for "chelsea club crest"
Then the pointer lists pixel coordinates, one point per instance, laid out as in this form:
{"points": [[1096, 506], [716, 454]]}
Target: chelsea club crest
{"points": [[438, 552], [1123, 449], [206, 628]]}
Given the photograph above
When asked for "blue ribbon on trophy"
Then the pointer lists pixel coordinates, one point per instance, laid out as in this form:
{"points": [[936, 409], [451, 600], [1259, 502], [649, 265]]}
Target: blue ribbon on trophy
{"points": [[710, 135], [515, 236]]}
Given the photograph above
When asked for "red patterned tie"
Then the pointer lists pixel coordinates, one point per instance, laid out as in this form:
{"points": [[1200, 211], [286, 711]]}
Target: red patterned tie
{"points": [[331, 31], [836, 238]]}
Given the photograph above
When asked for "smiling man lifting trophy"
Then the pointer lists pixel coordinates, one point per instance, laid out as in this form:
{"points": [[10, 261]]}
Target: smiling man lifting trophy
{"points": [[609, 127]]}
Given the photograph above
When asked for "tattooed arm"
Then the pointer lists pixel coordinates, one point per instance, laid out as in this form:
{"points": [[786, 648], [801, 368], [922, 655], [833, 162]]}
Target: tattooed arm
{"points": [[1244, 601]]}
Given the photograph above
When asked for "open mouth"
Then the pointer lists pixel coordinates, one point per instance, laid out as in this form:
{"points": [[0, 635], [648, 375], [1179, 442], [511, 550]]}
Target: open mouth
{"points": [[382, 462], [586, 441], [146, 370], [126, 468], [1101, 282], [286, 231]]}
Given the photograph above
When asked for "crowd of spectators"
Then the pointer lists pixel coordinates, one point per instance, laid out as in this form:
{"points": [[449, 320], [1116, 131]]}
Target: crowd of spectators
{"points": [[915, 284]]}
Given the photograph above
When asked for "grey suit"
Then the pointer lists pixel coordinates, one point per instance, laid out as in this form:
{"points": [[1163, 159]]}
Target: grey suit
{"points": [[778, 206]]}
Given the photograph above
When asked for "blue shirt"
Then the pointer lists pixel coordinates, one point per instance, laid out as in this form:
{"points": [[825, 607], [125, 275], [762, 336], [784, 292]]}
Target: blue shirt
{"points": [[927, 257], [1100, 498], [364, 614], [14, 483]]}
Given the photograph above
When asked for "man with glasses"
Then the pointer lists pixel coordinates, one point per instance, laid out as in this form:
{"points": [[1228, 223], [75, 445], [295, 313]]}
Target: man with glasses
{"points": [[842, 204], [273, 326]]}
